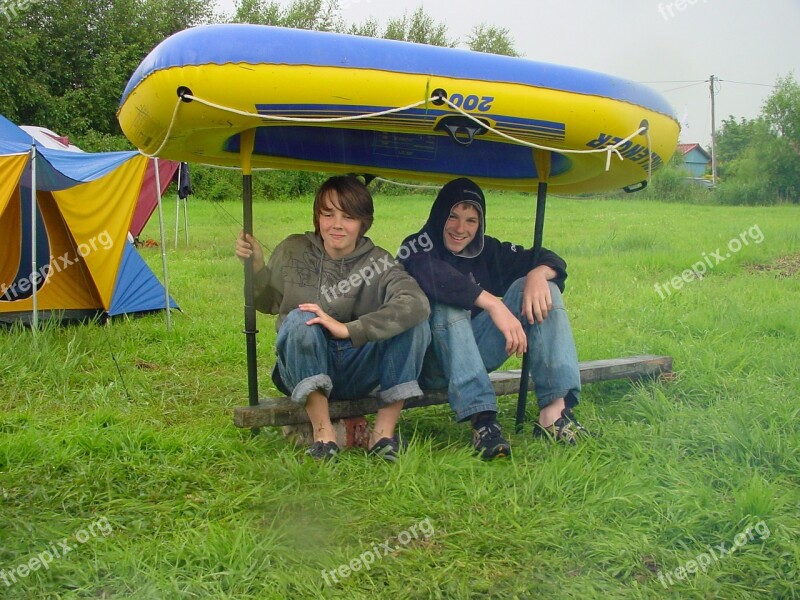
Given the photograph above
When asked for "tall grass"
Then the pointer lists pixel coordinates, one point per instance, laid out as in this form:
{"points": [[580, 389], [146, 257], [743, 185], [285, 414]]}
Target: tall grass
{"points": [[132, 424]]}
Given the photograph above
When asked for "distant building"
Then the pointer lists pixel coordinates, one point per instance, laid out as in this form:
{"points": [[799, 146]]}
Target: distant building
{"points": [[697, 160]]}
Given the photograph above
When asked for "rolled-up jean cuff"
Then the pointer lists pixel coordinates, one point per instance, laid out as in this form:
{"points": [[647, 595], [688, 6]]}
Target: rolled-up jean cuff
{"points": [[402, 391], [570, 398], [315, 383], [474, 410]]}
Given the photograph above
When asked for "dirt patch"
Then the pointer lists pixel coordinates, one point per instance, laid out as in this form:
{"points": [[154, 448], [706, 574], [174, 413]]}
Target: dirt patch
{"points": [[785, 266]]}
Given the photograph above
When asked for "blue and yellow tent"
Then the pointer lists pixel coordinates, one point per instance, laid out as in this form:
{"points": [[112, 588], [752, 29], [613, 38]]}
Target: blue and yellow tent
{"points": [[76, 262]]}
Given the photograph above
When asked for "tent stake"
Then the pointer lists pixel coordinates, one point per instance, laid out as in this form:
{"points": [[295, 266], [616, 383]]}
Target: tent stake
{"points": [[247, 140]]}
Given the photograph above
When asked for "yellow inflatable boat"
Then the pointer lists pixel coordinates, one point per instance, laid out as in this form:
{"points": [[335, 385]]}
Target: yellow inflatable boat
{"points": [[340, 103]]}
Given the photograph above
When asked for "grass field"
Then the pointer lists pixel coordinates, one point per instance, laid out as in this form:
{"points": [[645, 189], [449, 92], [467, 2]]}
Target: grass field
{"points": [[117, 442]]}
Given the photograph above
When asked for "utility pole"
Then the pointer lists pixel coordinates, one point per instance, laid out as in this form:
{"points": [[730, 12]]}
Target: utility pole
{"points": [[713, 135]]}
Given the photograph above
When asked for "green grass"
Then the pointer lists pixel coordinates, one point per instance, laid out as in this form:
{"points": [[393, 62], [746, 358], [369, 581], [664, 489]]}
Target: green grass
{"points": [[199, 509]]}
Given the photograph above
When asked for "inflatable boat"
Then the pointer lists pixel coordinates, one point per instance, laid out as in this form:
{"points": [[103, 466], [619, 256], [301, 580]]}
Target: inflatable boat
{"points": [[350, 104]]}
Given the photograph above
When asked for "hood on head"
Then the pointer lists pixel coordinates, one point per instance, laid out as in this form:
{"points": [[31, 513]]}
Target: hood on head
{"points": [[453, 193]]}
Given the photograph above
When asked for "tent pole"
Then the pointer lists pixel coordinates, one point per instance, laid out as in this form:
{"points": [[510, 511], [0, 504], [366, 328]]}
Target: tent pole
{"points": [[177, 210], [247, 141], [181, 167], [34, 269], [163, 246], [542, 160], [186, 219]]}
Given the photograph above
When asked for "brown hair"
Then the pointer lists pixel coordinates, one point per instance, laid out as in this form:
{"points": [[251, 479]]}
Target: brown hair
{"points": [[352, 196]]}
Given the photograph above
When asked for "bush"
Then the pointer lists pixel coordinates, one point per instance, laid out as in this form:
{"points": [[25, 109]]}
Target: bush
{"points": [[673, 184], [740, 192]]}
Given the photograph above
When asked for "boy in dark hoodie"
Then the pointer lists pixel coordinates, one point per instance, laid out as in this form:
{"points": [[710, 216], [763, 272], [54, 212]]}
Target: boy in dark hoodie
{"points": [[489, 300], [350, 319]]}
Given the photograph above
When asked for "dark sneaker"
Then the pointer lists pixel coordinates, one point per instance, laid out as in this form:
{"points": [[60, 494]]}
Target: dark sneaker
{"points": [[386, 448], [488, 440], [566, 429], [323, 450]]}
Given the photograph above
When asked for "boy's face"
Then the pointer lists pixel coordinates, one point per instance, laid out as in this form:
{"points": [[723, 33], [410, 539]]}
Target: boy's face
{"points": [[338, 229], [461, 227]]}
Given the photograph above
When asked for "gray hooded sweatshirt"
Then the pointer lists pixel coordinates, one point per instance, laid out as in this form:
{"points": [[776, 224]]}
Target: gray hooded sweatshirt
{"points": [[368, 290]]}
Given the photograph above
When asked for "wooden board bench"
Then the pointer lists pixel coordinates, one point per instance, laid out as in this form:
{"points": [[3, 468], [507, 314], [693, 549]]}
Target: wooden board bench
{"points": [[282, 411]]}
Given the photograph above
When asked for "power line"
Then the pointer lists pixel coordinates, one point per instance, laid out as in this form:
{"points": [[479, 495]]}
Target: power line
{"points": [[683, 87], [677, 81], [745, 83]]}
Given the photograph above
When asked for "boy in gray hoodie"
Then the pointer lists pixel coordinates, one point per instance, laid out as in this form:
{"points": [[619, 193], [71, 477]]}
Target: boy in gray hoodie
{"points": [[350, 319]]}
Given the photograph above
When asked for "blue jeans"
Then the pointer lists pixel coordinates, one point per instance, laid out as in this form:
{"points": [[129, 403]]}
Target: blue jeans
{"points": [[310, 360], [464, 351]]}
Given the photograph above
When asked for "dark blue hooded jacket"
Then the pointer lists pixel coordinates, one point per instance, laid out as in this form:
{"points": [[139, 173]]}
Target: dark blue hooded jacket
{"points": [[485, 264]]}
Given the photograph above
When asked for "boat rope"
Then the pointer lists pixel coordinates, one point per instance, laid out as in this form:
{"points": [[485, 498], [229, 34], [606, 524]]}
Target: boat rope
{"points": [[409, 185], [608, 150], [169, 132]]}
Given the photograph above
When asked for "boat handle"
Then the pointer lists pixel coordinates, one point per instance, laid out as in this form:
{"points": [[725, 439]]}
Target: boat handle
{"points": [[460, 129]]}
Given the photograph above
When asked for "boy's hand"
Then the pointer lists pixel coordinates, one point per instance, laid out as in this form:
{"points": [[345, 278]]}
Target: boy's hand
{"points": [[247, 247], [537, 301], [337, 329], [505, 321]]}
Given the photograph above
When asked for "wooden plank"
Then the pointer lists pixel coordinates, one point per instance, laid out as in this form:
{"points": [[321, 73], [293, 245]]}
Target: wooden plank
{"points": [[282, 411]]}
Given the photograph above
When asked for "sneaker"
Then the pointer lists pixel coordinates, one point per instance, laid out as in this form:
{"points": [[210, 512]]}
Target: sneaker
{"points": [[488, 440], [386, 448], [566, 429], [323, 450]]}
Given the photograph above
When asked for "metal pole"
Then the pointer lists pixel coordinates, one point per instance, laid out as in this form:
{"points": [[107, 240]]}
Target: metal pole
{"points": [[247, 140], [177, 211], [186, 219], [163, 246], [542, 160], [713, 135], [34, 267]]}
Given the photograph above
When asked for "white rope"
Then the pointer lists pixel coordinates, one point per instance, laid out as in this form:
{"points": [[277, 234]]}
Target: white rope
{"points": [[609, 150], [169, 131], [409, 185]]}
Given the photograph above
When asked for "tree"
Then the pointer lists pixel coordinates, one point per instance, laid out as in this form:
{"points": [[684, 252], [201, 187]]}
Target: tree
{"points": [[79, 54], [420, 28], [782, 111], [735, 137], [491, 39], [18, 88], [368, 28], [317, 15]]}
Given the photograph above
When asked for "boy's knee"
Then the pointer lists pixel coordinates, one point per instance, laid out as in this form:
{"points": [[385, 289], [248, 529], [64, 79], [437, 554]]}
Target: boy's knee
{"points": [[294, 327], [297, 317]]}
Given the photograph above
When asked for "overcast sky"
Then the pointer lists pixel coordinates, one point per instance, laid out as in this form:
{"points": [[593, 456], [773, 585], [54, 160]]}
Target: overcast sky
{"points": [[666, 44]]}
